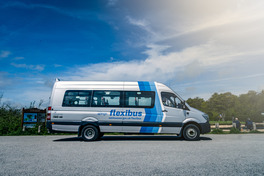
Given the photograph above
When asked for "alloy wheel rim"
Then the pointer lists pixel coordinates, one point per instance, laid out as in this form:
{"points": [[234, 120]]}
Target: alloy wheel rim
{"points": [[192, 133], [89, 133]]}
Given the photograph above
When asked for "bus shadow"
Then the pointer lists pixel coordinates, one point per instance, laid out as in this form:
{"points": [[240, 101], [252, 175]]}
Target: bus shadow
{"points": [[71, 139], [131, 138], [147, 138]]}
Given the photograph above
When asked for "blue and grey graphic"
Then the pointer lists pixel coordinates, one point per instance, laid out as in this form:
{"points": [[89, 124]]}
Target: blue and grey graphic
{"points": [[154, 114]]}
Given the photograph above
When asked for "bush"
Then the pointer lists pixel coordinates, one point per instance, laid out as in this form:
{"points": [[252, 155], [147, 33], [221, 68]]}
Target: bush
{"points": [[10, 120], [234, 130], [217, 131]]}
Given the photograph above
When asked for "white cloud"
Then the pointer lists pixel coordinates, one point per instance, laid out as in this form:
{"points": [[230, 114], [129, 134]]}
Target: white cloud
{"points": [[206, 68], [30, 67], [197, 49], [26, 96], [4, 54], [185, 64], [178, 23], [141, 23], [36, 94], [5, 81], [144, 25]]}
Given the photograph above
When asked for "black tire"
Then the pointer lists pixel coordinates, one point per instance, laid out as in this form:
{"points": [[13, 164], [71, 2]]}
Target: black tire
{"points": [[191, 132], [101, 135], [90, 133]]}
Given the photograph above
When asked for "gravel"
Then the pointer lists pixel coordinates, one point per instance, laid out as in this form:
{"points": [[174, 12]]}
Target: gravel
{"points": [[233, 154]]}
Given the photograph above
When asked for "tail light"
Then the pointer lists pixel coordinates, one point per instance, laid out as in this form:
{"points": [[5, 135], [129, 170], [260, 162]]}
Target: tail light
{"points": [[48, 116], [49, 113]]}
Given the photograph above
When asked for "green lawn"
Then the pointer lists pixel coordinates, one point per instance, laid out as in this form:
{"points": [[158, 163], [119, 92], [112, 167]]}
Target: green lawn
{"points": [[224, 122]]}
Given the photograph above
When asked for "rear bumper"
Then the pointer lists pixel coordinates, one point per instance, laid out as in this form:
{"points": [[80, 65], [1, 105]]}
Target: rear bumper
{"points": [[205, 127], [51, 130]]}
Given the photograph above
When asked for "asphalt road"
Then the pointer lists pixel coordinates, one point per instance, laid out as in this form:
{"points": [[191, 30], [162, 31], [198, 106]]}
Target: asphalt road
{"points": [[236, 154]]}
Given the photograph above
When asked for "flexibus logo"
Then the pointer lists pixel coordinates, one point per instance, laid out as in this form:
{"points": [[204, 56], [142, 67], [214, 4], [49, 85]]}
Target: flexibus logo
{"points": [[113, 112]]}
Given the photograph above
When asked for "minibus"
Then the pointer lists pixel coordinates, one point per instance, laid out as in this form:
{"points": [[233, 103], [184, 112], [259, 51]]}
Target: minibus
{"points": [[92, 108]]}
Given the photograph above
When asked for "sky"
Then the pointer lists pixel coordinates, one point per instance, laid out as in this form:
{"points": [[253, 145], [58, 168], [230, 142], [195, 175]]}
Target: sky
{"points": [[196, 47]]}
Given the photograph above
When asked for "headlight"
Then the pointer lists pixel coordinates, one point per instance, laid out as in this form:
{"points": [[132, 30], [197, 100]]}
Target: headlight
{"points": [[206, 117]]}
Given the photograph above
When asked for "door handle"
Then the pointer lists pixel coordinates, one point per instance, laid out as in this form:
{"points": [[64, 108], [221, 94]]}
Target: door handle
{"points": [[187, 113], [164, 110]]}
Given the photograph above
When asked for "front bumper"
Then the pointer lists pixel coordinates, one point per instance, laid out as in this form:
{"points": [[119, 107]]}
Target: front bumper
{"points": [[205, 127]]}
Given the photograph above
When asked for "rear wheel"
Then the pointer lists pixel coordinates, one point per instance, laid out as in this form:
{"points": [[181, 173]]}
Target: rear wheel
{"points": [[191, 132], [90, 133]]}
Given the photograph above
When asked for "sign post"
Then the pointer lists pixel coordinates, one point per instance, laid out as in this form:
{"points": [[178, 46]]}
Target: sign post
{"points": [[32, 117]]}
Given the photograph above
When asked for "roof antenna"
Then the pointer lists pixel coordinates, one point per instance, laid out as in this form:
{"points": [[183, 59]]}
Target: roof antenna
{"points": [[57, 79]]}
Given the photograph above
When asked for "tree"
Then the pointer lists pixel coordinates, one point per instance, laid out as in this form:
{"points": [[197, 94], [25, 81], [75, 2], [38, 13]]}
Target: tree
{"points": [[197, 102], [223, 104], [250, 105], [201, 105]]}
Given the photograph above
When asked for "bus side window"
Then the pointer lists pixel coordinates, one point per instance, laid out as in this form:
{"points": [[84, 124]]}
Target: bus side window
{"points": [[139, 99], [168, 99], [102, 98], [179, 103], [171, 100], [77, 98]]}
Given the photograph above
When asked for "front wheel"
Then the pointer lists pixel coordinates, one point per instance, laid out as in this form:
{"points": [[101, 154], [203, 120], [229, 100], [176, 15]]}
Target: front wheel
{"points": [[90, 133], [191, 132]]}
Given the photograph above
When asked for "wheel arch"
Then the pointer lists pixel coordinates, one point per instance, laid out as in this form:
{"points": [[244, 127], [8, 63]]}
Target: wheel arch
{"points": [[191, 122]]}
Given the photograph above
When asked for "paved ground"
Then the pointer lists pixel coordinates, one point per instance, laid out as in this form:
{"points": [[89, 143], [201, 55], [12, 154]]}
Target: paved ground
{"points": [[238, 154]]}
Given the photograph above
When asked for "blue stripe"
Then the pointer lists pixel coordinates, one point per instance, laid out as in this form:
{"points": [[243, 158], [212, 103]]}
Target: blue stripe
{"points": [[154, 114]]}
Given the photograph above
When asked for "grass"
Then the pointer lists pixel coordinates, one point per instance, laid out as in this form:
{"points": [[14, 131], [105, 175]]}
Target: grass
{"points": [[234, 131], [255, 131], [217, 131], [223, 122]]}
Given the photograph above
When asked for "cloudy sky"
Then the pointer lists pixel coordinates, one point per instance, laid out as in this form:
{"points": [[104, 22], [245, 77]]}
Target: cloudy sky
{"points": [[195, 47]]}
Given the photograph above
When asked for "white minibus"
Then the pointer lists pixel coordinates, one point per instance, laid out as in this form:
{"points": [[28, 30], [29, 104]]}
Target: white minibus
{"points": [[92, 108]]}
